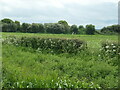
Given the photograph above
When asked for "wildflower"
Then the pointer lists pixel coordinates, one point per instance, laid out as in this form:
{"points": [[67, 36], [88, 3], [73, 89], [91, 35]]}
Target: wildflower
{"points": [[45, 41], [60, 87], [100, 49], [114, 46], [49, 39], [57, 84], [52, 80], [65, 84], [107, 47], [92, 83], [114, 50], [99, 55]]}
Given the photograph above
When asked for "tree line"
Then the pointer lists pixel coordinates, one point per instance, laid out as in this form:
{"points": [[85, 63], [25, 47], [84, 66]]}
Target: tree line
{"points": [[113, 29], [61, 27]]}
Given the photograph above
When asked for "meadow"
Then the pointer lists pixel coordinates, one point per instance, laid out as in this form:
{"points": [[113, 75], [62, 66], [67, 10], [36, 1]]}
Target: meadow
{"points": [[25, 67]]}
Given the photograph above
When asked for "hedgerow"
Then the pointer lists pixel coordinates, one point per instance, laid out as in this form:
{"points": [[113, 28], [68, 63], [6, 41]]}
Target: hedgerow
{"points": [[52, 45]]}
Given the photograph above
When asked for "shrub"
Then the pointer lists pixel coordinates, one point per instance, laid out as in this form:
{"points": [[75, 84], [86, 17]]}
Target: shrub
{"points": [[112, 48], [56, 45]]}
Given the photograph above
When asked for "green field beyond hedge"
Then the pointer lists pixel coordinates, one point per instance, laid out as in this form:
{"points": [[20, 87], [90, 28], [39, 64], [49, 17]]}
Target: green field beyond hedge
{"points": [[93, 67]]}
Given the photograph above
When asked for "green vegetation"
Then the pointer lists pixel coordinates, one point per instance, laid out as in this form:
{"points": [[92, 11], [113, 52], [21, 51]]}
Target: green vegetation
{"points": [[93, 41], [51, 45], [90, 29], [113, 29], [25, 67], [60, 27]]}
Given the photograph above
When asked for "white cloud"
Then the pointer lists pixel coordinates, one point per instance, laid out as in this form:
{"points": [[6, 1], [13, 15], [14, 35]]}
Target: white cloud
{"points": [[98, 12]]}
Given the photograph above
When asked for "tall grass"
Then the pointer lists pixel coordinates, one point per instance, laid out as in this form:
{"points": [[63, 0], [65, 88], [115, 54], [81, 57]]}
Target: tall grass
{"points": [[25, 67], [30, 69]]}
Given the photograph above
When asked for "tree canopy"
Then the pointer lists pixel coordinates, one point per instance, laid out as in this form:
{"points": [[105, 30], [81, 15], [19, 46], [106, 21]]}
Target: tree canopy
{"points": [[61, 27]]}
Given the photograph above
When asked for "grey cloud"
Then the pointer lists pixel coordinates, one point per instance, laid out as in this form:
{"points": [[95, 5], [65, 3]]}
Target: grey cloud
{"points": [[99, 14]]}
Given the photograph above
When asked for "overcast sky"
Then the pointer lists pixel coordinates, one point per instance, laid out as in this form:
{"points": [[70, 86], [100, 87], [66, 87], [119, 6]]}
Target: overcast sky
{"points": [[80, 12]]}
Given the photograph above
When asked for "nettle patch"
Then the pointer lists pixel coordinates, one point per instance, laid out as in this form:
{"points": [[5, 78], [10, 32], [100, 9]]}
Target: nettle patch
{"points": [[52, 45], [111, 48]]}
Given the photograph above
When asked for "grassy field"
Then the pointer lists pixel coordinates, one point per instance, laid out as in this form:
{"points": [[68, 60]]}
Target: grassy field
{"points": [[24, 67]]}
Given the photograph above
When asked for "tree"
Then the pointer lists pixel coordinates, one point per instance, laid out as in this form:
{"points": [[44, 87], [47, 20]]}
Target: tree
{"points": [[6, 20], [81, 29], [5, 27], [114, 29], [90, 29], [18, 26], [74, 29], [41, 28], [25, 27], [54, 28], [48, 27], [34, 28], [57, 28], [66, 26], [9, 27], [13, 27]]}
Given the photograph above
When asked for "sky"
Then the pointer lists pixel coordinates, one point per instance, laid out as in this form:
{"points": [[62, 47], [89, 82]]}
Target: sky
{"points": [[100, 13]]}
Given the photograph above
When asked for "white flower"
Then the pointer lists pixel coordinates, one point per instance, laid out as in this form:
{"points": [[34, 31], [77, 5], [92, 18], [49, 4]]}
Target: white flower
{"points": [[57, 84], [107, 47], [60, 87], [100, 49], [65, 84], [49, 39], [114, 50], [114, 46], [45, 41]]}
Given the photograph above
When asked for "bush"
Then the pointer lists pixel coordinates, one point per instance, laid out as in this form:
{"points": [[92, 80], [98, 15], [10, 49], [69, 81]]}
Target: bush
{"points": [[111, 49], [51, 45]]}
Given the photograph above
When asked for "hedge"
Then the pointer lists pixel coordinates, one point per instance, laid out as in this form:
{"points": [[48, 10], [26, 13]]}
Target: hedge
{"points": [[56, 45]]}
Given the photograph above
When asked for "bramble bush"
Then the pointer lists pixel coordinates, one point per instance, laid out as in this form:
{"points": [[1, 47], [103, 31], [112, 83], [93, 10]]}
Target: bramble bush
{"points": [[112, 48], [51, 45]]}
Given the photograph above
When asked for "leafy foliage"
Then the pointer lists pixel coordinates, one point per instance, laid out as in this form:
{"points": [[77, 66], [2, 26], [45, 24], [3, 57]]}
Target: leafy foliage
{"points": [[30, 69], [90, 29], [111, 49], [114, 29], [74, 29], [61, 27], [27, 66], [50, 44]]}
